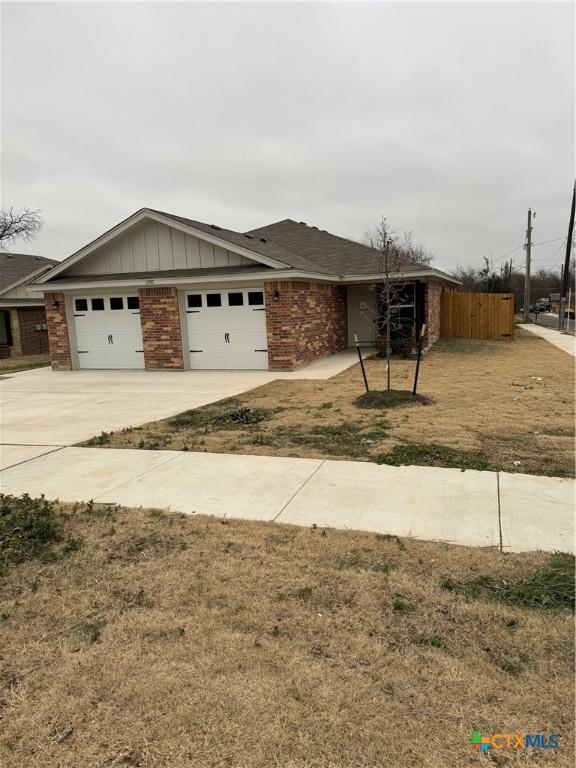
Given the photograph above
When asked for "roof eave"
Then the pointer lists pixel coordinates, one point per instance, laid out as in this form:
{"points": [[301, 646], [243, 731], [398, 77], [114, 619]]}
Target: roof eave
{"points": [[5, 303], [409, 275], [267, 276]]}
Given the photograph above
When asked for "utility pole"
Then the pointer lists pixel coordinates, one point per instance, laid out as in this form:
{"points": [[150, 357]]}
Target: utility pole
{"points": [[527, 275], [566, 272]]}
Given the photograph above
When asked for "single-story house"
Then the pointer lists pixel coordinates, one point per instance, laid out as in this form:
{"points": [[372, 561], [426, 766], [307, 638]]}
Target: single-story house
{"points": [[554, 301], [23, 328], [160, 291]]}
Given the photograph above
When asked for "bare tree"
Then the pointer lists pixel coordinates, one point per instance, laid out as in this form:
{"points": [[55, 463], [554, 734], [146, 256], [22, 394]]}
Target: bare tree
{"points": [[18, 225], [413, 251], [404, 246], [389, 289]]}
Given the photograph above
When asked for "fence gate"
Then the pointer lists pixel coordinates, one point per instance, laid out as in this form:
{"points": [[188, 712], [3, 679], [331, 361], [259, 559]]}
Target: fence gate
{"points": [[477, 315]]}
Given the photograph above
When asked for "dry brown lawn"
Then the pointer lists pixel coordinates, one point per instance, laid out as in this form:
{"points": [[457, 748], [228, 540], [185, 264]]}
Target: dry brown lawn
{"points": [[15, 364], [162, 641], [507, 406]]}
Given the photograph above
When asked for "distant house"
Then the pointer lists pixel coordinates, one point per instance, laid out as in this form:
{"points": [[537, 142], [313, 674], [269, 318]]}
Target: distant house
{"points": [[554, 299], [22, 316]]}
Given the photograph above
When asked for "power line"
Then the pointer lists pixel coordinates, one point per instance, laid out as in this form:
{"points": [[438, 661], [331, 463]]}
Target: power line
{"points": [[556, 240], [547, 187], [516, 248]]}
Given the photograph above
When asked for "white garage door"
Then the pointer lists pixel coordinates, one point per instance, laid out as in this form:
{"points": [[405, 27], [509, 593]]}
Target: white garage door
{"points": [[227, 329], [108, 332]]}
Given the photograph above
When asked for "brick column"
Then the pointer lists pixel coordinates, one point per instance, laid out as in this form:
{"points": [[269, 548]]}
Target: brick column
{"points": [[432, 312], [58, 337], [161, 331], [304, 321]]}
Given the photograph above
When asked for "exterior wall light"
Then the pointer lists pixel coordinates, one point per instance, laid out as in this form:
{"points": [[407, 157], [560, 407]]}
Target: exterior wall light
{"points": [[276, 296]]}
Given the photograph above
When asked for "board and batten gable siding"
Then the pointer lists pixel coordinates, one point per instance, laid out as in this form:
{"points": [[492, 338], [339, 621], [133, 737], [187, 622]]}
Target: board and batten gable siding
{"points": [[20, 292], [152, 247]]}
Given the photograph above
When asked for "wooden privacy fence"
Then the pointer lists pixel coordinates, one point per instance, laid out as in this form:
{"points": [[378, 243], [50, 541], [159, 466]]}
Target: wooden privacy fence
{"points": [[477, 315]]}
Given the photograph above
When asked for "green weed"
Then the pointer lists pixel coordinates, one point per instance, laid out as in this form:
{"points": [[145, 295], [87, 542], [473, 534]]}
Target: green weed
{"points": [[103, 438], [28, 528], [550, 587], [434, 455], [432, 640]]}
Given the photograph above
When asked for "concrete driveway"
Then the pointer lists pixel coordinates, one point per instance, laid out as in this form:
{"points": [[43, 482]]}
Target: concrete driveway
{"points": [[41, 410]]}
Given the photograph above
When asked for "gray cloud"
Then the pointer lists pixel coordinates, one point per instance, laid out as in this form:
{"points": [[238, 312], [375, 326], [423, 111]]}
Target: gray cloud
{"points": [[448, 118]]}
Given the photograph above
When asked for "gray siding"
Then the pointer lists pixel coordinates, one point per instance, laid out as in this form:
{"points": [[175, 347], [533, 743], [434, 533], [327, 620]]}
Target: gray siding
{"points": [[20, 292], [150, 247]]}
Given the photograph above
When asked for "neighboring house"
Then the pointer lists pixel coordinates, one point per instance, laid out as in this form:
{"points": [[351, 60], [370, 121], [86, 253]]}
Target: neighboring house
{"points": [[554, 300], [159, 291], [22, 317]]}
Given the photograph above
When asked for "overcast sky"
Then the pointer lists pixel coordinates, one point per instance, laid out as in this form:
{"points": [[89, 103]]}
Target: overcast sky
{"points": [[448, 118]]}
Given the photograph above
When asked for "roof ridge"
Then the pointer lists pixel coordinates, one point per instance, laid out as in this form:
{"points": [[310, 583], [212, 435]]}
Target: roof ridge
{"points": [[322, 231]]}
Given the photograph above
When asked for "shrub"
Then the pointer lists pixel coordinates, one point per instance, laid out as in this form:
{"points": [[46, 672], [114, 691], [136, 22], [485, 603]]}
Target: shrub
{"points": [[102, 439], [209, 419], [28, 527]]}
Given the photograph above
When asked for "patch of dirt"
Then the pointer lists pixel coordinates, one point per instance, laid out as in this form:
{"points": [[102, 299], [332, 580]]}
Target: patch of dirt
{"points": [[512, 404], [258, 645]]}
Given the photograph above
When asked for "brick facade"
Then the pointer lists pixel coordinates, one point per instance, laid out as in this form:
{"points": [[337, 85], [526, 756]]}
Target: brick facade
{"points": [[305, 322], [161, 330], [32, 342], [58, 337]]}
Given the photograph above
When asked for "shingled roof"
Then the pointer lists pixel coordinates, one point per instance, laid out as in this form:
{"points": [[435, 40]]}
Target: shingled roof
{"points": [[17, 266], [284, 245], [255, 242], [304, 247], [329, 252]]}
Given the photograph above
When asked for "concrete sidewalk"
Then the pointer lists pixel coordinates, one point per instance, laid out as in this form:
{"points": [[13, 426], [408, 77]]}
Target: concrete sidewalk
{"points": [[563, 341], [486, 509]]}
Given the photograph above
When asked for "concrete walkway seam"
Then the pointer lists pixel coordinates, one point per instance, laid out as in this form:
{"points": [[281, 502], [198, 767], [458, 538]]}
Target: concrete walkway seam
{"points": [[499, 513], [177, 455], [32, 458], [36, 445], [291, 499]]}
